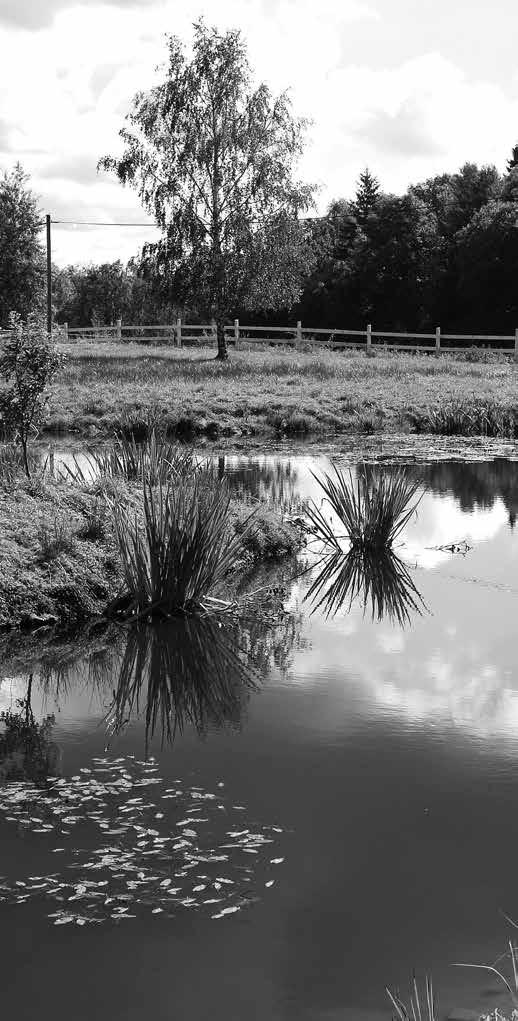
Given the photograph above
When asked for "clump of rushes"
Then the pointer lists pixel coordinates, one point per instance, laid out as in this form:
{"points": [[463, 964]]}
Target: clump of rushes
{"points": [[373, 509], [416, 1013], [184, 549], [155, 460]]}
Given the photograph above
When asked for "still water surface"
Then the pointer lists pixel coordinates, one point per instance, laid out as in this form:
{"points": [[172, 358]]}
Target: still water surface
{"points": [[373, 763]]}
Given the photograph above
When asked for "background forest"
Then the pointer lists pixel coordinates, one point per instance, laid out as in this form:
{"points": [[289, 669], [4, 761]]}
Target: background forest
{"points": [[445, 252]]}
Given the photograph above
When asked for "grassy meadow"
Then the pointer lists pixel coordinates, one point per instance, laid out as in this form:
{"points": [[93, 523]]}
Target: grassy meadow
{"points": [[283, 391]]}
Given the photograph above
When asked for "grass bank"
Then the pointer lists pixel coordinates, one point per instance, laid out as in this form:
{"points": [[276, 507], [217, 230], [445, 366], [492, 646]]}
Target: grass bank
{"points": [[59, 554], [285, 392]]}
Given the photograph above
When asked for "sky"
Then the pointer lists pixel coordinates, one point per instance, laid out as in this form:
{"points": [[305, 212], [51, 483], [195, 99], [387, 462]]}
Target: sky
{"points": [[409, 88]]}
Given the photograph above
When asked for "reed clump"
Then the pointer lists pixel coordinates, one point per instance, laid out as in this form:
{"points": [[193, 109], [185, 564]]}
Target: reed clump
{"points": [[174, 557], [154, 460], [373, 508], [468, 417]]}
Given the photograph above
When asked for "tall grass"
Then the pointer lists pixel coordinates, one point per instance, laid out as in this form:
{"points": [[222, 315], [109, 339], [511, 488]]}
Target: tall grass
{"points": [[468, 417], [416, 1011], [154, 460], [373, 509], [12, 466], [378, 579], [184, 549]]}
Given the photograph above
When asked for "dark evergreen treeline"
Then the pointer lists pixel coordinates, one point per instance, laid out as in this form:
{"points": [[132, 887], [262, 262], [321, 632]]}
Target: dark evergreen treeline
{"points": [[444, 253]]}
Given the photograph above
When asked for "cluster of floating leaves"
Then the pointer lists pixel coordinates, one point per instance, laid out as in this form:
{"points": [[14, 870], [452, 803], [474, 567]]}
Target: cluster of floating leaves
{"points": [[163, 849]]}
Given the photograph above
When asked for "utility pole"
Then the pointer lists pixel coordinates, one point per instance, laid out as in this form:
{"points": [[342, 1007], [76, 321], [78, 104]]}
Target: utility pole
{"points": [[49, 277]]}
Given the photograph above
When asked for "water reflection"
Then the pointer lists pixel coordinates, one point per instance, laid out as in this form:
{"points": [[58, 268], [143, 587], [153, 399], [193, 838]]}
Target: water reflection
{"points": [[27, 751], [284, 483], [375, 579], [271, 480], [474, 484], [187, 671]]}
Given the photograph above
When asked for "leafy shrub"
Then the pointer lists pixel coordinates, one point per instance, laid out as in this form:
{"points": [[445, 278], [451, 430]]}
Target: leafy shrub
{"points": [[28, 364]]}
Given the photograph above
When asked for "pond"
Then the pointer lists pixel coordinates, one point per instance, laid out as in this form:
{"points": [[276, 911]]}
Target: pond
{"points": [[336, 807]]}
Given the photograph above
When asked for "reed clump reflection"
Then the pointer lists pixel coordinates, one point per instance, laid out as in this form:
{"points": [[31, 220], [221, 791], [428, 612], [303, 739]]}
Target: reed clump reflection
{"points": [[185, 672], [376, 579]]}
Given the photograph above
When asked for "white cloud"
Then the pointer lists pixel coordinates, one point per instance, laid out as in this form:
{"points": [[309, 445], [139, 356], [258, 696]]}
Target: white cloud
{"points": [[65, 88]]}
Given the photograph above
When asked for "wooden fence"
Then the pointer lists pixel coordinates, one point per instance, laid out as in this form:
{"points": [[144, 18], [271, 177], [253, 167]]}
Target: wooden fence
{"points": [[242, 335]]}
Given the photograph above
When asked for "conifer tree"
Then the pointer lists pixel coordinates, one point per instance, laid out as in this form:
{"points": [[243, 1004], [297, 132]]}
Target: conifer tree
{"points": [[367, 195], [513, 161]]}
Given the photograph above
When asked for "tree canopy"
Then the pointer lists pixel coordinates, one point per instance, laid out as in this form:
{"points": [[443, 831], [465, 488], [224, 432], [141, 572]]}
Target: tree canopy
{"points": [[213, 159], [22, 264]]}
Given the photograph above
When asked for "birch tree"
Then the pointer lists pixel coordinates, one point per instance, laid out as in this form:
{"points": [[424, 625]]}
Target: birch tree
{"points": [[214, 161]]}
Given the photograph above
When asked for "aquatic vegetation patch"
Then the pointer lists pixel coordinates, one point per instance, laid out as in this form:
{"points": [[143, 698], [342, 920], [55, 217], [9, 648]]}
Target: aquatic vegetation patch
{"points": [[467, 417], [183, 551], [373, 509], [162, 849], [154, 460]]}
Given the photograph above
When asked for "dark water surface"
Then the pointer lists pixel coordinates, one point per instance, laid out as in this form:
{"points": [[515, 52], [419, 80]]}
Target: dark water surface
{"points": [[373, 764]]}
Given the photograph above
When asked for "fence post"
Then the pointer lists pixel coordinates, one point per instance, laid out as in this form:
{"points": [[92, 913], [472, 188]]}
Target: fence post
{"points": [[298, 341], [65, 331], [178, 332], [437, 340], [516, 345], [236, 333], [213, 330], [118, 328], [369, 337]]}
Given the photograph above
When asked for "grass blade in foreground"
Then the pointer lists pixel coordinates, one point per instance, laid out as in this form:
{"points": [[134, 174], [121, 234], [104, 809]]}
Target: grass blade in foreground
{"points": [[373, 509], [415, 1013]]}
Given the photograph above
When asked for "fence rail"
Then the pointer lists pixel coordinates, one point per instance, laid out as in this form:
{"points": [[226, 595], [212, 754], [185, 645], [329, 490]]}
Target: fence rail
{"points": [[242, 334]]}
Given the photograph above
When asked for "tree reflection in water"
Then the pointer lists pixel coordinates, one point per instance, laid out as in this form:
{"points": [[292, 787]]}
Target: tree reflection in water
{"points": [[27, 751], [375, 579]]}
